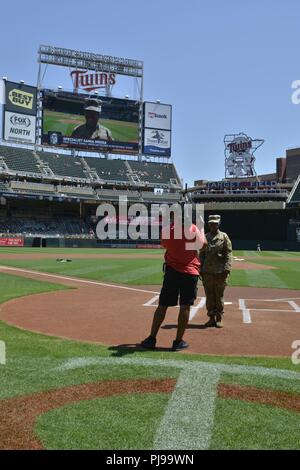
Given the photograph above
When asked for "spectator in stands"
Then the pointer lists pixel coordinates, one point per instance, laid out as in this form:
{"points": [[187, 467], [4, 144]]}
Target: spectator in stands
{"points": [[180, 279], [92, 129]]}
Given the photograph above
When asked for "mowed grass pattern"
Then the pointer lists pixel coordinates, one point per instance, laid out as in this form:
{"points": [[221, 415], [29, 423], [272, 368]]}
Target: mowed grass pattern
{"points": [[125, 422], [244, 426], [130, 422], [138, 270]]}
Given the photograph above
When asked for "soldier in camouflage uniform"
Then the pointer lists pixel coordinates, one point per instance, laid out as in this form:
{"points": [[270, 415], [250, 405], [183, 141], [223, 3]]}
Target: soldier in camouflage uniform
{"points": [[216, 259], [92, 129]]}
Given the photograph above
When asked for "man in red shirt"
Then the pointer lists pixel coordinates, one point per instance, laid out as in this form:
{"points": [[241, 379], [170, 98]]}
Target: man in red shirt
{"points": [[181, 275]]}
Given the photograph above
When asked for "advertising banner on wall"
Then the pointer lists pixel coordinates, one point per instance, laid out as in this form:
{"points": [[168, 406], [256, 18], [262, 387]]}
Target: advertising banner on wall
{"points": [[20, 98], [157, 142], [19, 127], [11, 241], [157, 116], [74, 120], [19, 120]]}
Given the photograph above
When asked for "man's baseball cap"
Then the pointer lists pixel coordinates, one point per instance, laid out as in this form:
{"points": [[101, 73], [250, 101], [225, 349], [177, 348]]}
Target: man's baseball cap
{"points": [[93, 105], [214, 219]]}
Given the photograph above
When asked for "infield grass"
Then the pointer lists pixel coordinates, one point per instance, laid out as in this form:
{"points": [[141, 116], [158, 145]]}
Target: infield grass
{"points": [[130, 422], [139, 270]]}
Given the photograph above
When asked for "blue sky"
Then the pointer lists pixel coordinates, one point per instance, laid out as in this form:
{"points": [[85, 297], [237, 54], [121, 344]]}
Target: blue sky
{"points": [[225, 66]]}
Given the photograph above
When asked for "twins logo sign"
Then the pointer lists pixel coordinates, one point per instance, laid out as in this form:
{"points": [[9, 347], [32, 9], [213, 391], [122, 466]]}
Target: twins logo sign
{"points": [[157, 142], [239, 155]]}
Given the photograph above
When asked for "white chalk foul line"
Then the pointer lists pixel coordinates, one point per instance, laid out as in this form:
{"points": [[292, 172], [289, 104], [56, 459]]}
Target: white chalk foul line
{"points": [[272, 310], [286, 299], [294, 305], [151, 302], [194, 310], [245, 311], [76, 279]]}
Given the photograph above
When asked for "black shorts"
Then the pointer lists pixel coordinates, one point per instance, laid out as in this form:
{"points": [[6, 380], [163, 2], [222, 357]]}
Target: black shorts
{"points": [[176, 285]]}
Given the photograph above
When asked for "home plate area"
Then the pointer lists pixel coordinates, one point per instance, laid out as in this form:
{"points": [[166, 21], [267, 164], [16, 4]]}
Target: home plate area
{"points": [[257, 321], [253, 326]]}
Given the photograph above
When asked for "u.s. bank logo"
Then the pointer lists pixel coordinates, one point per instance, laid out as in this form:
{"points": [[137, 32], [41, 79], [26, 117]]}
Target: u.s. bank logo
{"points": [[21, 98]]}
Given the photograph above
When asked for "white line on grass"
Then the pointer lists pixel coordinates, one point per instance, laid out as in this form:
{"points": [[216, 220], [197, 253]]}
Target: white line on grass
{"points": [[82, 362], [76, 279], [188, 420], [189, 417]]}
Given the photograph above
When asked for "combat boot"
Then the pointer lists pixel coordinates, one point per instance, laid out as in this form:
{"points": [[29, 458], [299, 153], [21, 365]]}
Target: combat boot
{"points": [[211, 322], [219, 321]]}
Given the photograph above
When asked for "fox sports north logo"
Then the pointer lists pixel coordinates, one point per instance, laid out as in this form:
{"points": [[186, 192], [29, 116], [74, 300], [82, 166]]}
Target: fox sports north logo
{"points": [[20, 121]]}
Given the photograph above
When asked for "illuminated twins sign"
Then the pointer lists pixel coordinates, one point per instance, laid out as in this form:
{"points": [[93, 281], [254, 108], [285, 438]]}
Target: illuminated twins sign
{"points": [[239, 155]]}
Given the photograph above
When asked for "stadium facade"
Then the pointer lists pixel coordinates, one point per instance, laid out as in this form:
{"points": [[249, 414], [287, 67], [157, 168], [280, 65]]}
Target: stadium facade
{"points": [[57, 164], [262, 209], [64, 152]]}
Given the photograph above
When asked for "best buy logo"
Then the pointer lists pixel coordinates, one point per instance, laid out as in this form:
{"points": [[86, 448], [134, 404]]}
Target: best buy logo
{"points": [[21, 98]]}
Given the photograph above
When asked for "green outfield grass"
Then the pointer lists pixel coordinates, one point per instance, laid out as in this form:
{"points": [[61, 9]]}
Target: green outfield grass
{"points": [[130, 421], [66, 123], [145, 271]]}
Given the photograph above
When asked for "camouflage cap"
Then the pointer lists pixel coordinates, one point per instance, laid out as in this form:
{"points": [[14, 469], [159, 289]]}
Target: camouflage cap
{"points": [[93, 105], [214, 219]]}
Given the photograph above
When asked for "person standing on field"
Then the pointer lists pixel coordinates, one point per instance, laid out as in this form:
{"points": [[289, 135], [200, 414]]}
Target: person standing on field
{"points": [[181, 276], [216, 258]]}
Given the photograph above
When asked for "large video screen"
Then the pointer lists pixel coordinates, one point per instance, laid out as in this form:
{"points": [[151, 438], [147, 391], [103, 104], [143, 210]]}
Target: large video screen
{"points": [[92, 123]]}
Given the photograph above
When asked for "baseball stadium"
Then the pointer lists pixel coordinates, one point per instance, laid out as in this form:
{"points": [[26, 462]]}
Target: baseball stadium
{"points": [[75, 306]]}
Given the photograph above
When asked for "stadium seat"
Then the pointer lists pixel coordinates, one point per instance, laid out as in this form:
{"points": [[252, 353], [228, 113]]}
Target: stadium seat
{"points": [[108, 170], [63, 165], [19, 159], [158, 173]]}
